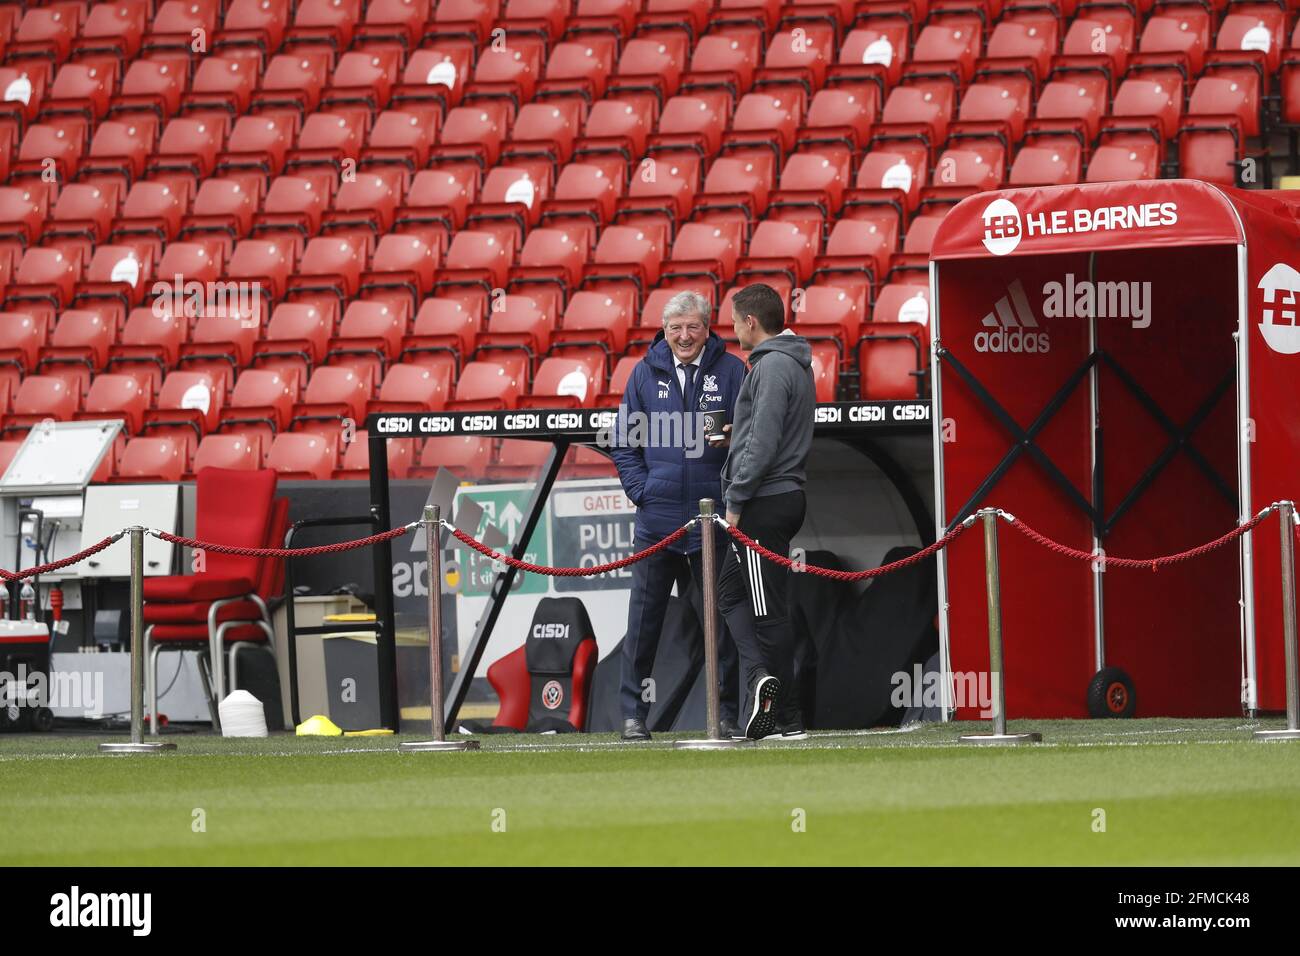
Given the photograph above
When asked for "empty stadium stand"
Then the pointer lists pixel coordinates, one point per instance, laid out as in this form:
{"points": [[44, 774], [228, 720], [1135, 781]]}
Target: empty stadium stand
{"points": [[460, 204]]}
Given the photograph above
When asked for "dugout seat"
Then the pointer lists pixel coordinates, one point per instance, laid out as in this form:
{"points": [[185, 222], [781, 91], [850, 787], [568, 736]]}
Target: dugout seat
{"points": [[222, 606], [546, 684]]}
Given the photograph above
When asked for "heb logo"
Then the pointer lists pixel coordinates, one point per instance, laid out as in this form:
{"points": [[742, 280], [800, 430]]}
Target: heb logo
{"points": [[1002, 227], [556, 632], [1281, 286]]}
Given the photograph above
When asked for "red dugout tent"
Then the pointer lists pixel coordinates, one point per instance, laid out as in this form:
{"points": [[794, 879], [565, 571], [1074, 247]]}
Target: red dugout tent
{"points": [[1118, 365]]}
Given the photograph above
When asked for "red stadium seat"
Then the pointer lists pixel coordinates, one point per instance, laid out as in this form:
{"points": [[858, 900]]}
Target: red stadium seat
{"points": [[1028, 35], [116, 28], [464, 18], [222, 84], [436, 75], [356, 457], [293, 81], [1259, 28], [729, 57], [693, 121], [116, 396], [42, 397], [363, 77], [1178, 35], [565, 381], [188, 146], [587, 186], [894, 346], [369, 337], [599, 319], [401, 270], [1120, 163], [47, 31], [153, 85], [401, 137], [295, 341], [221, 343], [768, 120], [149, 346], [950, 42], [545, 128], [474, 132], [787, 248], [187, 408], [152, 459], [511, 72], [333, 395], [413, 388], [444, 330], [226, 451], [258, 142], [1111, 27], [1070, 101], [618, 381], [259, 24], [1056, 162], [303, 456], [466, 457], [78, 347], [488, 385], [260, 407], [801, 58], [81, 89], [400, 20]]}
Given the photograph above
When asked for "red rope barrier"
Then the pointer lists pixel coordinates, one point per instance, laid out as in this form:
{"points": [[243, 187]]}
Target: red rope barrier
{"points": [[285, 552], [483, 549], [59, 564], [1139, 564], [834, 575]]}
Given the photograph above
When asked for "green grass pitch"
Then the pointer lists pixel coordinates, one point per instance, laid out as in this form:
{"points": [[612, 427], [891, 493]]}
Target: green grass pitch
{"points": [[1172, 792]]}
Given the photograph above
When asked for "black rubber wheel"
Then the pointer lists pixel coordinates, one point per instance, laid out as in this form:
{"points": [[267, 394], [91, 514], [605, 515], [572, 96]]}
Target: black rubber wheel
{"points": [[43, 720], [1111, 694]]}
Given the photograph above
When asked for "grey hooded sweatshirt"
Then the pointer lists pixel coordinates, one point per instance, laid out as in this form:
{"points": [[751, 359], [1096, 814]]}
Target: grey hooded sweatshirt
{"points": [[773, 430]]}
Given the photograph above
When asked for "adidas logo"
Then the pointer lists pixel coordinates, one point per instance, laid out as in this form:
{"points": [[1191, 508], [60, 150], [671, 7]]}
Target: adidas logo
{"points": [[1013, 325]]}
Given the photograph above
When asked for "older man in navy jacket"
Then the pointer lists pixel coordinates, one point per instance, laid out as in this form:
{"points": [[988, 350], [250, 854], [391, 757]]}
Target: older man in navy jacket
{"points": [[666, 467]]}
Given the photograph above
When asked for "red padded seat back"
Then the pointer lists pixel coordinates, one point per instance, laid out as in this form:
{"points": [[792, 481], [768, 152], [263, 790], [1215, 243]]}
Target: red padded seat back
{"points": [[234, 508]]}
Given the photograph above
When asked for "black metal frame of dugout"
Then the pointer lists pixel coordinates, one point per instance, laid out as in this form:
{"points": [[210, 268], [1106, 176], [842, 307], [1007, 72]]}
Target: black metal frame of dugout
{"points": [[857, 424]]}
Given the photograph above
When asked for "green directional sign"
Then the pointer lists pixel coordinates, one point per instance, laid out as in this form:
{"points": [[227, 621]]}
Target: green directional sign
{"points": [[503, 509]]}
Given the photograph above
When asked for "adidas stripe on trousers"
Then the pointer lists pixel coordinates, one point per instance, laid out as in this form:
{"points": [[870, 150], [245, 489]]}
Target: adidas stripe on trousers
{"points": [[752, 596]]}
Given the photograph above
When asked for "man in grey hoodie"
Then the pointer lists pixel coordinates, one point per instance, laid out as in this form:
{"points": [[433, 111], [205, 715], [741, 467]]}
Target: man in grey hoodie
{"points": [[762, 485]]}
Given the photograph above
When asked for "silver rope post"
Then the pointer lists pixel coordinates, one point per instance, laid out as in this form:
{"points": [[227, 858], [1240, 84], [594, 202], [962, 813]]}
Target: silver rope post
{"points": [[433, 554], [137, 744], [709, 573], [993, 588], [1286, 512]]}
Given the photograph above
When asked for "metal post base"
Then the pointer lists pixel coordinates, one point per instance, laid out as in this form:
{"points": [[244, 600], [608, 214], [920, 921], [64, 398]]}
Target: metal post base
{"points": [[1001, 740], [129, 748], [1284, 734], [708, 743], [437, 746]]}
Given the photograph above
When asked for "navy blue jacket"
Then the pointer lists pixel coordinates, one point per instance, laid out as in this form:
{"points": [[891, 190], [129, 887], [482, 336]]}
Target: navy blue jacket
{"points": [[667, 483]]}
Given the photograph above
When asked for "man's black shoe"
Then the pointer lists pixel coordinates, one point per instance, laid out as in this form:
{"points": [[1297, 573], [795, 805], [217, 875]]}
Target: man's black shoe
{"points": [[634, 729], [762, 720], [729, 730]]}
